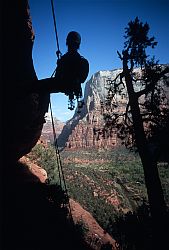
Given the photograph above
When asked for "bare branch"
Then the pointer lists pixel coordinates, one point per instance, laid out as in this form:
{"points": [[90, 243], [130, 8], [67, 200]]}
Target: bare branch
{"points": [[120, 56]]}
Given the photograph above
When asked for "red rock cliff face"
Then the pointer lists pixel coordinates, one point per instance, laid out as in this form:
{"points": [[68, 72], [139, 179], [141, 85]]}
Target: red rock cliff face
{"points": [[86, 129], [23, 112], [89, 133], [47, 131]]}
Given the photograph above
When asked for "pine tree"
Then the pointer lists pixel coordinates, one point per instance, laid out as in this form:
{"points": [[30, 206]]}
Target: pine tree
{"points": [[146, 113]]}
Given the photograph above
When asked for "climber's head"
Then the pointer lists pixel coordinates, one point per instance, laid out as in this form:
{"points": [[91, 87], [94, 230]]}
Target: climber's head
{"points": [[73, 40]]}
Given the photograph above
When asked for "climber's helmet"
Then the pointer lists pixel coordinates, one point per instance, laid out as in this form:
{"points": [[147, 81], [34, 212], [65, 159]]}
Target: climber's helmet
{"points": [[73, 40]]}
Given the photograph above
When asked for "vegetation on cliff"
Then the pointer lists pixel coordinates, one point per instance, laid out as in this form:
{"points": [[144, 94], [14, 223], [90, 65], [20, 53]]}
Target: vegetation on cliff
{"points": [[109, 184]]}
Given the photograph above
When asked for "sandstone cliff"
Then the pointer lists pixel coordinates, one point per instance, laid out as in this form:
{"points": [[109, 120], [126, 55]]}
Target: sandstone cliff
{"points": [[85, 129], [47, 131]]}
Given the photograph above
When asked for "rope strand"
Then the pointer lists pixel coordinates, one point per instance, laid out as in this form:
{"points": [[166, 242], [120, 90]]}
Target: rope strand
{"points": [[58, 53], [54, 136], [59, 163]]}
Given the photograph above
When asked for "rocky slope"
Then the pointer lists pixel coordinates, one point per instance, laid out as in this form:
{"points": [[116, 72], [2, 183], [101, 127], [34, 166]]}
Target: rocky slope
{"points": [[84, 130], [95, 236]]}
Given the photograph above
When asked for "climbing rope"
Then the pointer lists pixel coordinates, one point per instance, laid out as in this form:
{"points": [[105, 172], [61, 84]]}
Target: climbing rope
{"points": [[58, 53], [62, 180], [56, 148]]}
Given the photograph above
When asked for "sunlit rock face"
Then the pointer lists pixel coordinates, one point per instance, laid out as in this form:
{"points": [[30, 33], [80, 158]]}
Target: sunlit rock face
{"points": [[86, 129], [23, 112], [47, 132], [83, 130]]}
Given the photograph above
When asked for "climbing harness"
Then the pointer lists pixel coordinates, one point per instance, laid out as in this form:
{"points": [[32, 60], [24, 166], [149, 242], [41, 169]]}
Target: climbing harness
{"points": [[62, 180], [74, 93]]}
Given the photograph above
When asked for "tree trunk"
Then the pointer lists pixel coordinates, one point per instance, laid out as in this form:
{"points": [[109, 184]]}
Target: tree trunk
{"points": [[152, 180]]}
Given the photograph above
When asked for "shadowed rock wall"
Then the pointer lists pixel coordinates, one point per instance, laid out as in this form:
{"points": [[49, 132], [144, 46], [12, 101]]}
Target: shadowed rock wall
{"points": [[23, 112]]}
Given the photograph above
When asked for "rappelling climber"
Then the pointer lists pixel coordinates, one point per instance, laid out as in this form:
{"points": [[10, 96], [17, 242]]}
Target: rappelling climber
{"points": [[72, 68]]}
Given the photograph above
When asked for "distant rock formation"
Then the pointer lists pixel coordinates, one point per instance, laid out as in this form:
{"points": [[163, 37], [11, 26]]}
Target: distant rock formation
{"points": [[85, 129], [47, 131]]}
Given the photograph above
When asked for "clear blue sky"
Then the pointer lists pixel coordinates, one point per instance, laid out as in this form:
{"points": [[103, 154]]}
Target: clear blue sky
{"points": [[101, 24]]}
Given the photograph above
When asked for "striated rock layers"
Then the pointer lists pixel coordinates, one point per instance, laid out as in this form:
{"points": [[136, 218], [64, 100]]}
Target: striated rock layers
{"points": [[86, 128], [47, 131]]}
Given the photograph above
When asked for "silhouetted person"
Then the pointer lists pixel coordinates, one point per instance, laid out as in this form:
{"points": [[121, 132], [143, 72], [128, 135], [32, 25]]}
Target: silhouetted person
{"points": [[72, 69]]}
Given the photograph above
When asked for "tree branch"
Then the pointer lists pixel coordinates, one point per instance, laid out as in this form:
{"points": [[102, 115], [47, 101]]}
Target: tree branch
{"points": [[151, 84]]}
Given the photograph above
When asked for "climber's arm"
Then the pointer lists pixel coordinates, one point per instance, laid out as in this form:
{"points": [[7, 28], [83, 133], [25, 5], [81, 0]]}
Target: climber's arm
{"points": [[57, 84], [47, 85]]}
